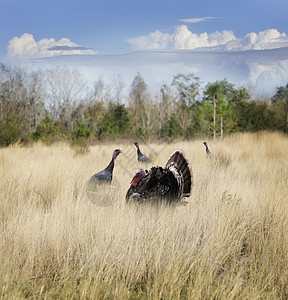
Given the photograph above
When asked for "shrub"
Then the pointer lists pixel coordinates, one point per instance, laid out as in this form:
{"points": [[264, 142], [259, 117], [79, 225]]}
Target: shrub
{"points": [[48, 131], [10, 132], [116, 121], [172, 128], [82, 131]]}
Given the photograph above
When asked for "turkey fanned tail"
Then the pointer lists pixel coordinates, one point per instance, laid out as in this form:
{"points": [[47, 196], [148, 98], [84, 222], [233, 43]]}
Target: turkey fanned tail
{"points": [[179, 165]]}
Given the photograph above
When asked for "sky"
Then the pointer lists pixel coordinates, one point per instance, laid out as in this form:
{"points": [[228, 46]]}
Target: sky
{"points": [[237, 40]]}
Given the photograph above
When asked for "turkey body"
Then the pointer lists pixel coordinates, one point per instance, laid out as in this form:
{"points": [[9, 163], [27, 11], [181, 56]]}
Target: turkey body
{"points": [[104, 176], [162, 185]]}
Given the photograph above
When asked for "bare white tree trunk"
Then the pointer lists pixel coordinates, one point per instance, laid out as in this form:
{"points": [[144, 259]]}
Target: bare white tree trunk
{"points": [[221, 127], [214, 117]]}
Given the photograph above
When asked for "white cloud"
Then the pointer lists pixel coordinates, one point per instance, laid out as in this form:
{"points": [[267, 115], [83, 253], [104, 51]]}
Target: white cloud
{"points": [[155, 40], [181, 39], [196, 20], [25, 46], [221, 38], [268, 39], [184, 39]]}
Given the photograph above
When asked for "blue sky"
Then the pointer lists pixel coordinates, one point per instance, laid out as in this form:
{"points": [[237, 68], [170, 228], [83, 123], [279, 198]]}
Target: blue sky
{"points": [[37, 28], [105, 26]]}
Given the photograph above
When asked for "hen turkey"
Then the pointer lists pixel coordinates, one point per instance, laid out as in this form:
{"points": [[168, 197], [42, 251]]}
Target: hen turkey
{"points": [[163, 185], [104, 176], [98, 187], [141, 157], [208, 152]]}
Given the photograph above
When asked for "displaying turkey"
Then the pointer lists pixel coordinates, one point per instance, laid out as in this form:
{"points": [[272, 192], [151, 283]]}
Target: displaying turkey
{"points": [[208, 152], [141, 156], [166, 185], [104, 176]]}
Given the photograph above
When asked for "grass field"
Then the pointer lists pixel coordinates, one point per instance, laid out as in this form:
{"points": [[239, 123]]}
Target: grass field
{"points": [[229, 242]]}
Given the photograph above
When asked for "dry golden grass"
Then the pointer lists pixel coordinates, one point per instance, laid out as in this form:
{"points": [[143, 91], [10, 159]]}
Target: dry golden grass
{"points": [[229, 242]]}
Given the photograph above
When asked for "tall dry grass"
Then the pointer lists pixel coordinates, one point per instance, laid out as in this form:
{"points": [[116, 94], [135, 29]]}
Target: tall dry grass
{"points": [[229, 242]]}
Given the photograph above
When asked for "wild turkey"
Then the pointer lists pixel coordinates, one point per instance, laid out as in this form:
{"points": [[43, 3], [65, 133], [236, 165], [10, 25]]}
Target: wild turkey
{"points": [[104, 176], [162, 185], [141, 156], [208, 152]]}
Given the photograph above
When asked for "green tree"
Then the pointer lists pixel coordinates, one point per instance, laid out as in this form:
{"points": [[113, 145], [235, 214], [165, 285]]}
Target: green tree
{"points": [[117, 121], [197, 123], [280, 105], [94, 115], [172, 128], [223, 96], [254, 116], [216, 93]]}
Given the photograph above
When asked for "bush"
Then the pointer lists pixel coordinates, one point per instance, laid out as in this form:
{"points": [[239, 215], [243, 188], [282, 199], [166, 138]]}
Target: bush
{"points": [[82, 131], [10, 132], [116, 121], [48, 131], [141, 133], [80, 146], [172, 128]]}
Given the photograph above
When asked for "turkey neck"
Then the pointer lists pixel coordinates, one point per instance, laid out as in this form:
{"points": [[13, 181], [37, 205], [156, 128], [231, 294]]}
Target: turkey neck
{"points": [[110, 167], [139, 152]]}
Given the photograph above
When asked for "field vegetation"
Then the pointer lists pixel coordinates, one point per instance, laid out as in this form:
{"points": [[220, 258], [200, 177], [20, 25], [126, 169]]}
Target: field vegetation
{"points": [[230, 241]]}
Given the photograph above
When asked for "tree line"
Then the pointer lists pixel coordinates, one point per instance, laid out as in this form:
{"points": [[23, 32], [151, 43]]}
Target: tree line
{"points": [[57, 105]]}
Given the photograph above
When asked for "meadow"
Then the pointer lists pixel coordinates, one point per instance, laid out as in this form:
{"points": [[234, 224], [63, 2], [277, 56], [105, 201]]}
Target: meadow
{"points": [[230, 241]]}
